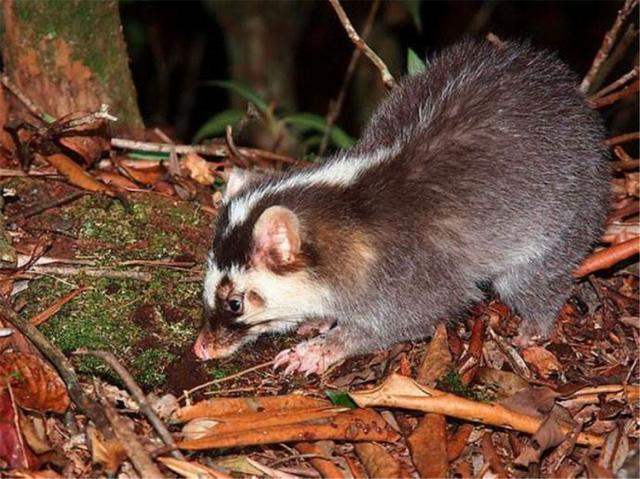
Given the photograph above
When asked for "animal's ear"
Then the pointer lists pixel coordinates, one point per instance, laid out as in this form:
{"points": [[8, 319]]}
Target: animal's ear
{"points": [[276, 237], [238, 179]]}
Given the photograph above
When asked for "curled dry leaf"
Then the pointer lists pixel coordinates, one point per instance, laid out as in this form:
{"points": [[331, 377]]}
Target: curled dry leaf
{"points": [[109, 453], [428, 446], [76, 175], [219, 407], [377, 461], [90, 148], [437, 359], [35, 384], [191, 470], [198, 168], [543, 361]]}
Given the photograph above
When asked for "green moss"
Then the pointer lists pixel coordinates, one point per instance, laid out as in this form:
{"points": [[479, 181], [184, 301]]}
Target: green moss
{"points": [[149, 366], [452, 383]]}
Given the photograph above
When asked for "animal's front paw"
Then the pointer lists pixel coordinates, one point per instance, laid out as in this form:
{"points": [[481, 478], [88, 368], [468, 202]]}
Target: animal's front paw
{"points": [[314, 356]]}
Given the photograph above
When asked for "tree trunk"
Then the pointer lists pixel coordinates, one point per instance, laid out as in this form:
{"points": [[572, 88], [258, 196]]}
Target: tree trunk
{"points": [[69, 56], [260, 38]]}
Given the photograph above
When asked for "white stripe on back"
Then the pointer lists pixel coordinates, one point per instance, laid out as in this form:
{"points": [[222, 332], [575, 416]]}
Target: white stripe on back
{"points": [[342, 171]]}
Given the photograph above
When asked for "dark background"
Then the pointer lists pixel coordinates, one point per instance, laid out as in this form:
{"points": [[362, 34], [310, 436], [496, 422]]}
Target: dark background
{"points": [[176, 46]]}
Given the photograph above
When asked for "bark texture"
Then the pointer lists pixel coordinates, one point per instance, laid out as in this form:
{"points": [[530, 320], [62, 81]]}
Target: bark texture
{"points": [[70, 56]]}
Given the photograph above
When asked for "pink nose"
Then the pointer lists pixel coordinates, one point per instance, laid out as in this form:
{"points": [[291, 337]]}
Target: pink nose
{"points": [[200, 348]]}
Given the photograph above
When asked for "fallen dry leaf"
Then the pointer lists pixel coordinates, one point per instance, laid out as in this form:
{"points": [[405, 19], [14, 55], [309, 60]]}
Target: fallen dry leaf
{"points": [[13, 450], [377, 461], [219, 407], [542, 360], [108, 453], [437, 358], [198, 168], [503, 383], [191, 470], [76, 175], [428, 446], [35, 384]]}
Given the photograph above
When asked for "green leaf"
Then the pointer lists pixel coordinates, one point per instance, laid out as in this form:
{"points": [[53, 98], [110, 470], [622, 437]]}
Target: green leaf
{"points": [[338, 398], [244, 90], [148, 155], [305, 122], [415, 64], [413, 7], [216, 125]]}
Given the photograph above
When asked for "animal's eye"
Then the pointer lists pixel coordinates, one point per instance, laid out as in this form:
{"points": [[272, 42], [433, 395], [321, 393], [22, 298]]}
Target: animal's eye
{"points": [[234, 304]]}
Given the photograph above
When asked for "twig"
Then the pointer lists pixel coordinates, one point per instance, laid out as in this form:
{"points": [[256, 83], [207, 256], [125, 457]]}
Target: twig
{"points": [[40, 318], [616, 140], [93, 272], [7, 172], [227, 378], [235, 154], [607, 44], [387, 78], [212, 150], [93, 411], [630, 75], [129, 441], [138, 395], [37, 209], [614, 97], [608, 257], [26, 101], [335, 106]]}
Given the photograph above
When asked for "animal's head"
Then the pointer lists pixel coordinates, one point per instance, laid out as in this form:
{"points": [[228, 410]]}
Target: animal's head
{"points": [[258, 278]]}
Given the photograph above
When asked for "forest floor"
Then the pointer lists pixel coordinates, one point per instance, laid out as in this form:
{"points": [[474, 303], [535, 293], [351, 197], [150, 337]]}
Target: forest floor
{"points": [[143, 270]]}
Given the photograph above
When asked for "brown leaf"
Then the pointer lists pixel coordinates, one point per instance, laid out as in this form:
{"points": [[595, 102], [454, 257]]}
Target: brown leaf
{"points": [[13, 450], [116, 180], [76, 175], [198, 168], [504, 383], [90, 148], [191, 470], [35, 384], [543, 361], [377, 461], [535, 401], [148, 175], [109, 453], [437, 359], [548, 435], [428, 446]]}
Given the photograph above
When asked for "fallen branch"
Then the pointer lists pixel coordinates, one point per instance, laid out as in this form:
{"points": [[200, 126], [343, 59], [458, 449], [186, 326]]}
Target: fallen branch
{"points": [[138, 394], [616, 140], [211, 150], [37, 209], [402, 392], [93, 411], [40, 318], [140, 459], [353, 425], [627, 77], [607, 44], [387, 78], [219, 407], [614, 97], [608, 257], [92, 272]]}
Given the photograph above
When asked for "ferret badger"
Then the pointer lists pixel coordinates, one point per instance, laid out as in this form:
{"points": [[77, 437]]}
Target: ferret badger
{"points": [[486, 168]]}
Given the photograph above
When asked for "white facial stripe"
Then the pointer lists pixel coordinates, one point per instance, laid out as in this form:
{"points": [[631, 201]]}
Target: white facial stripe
{"points": [[211, 282], [342, 171], [292, 296]]}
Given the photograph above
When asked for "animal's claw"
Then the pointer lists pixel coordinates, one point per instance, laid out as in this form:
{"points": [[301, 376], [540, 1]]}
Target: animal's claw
{"points": [[309, 357]]}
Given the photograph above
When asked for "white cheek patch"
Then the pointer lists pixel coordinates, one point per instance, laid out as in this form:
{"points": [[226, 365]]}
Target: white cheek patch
{"points": [[211, 281], [290, 298]]}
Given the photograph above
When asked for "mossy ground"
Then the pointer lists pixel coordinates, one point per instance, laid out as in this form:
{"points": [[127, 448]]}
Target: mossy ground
{"points": [[149, 325]]}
